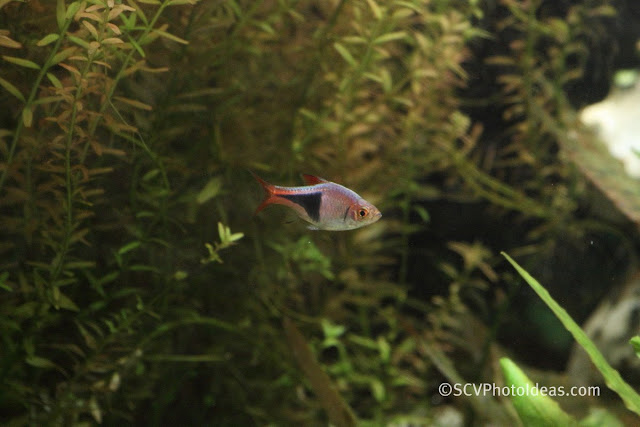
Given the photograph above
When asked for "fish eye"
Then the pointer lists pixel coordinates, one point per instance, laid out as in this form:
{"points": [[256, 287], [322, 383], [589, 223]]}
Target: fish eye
{"points": [[362, 212]]}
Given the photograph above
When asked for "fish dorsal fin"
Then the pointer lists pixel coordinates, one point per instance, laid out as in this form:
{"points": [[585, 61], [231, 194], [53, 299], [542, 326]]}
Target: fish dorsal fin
{"points": [[312, 179]]}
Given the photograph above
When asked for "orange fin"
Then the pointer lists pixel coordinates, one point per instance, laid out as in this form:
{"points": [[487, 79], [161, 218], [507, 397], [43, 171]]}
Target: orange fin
{"points": [[269, 191], [312, 179]]}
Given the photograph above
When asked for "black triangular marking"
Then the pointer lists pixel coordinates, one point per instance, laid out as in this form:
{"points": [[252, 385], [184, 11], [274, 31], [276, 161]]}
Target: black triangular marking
{"points": [[310, 202]]}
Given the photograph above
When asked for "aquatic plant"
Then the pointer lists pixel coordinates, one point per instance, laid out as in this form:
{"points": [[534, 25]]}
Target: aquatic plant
{"points": [[136, 287]]}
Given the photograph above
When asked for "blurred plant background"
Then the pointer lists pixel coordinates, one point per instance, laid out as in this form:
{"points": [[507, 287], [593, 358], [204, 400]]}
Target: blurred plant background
{"points": [[136, 286]]}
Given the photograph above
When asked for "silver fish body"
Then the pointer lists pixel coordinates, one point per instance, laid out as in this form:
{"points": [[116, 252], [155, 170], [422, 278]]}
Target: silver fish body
{"points": [[323, 204]]}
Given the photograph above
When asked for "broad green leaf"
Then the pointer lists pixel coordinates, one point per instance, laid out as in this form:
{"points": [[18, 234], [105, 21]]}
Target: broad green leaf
{"points": [[49, 38], [210, 190], [611, 376], [12, 89], [21, 62], [534, 408]]}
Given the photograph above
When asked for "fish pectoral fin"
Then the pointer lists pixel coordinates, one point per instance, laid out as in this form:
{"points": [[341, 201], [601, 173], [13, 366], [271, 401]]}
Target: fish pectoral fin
{"points": [[312, 227]]}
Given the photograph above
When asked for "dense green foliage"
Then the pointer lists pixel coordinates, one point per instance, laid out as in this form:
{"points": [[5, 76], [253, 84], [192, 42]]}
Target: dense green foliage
{"points": [[135, 285]]}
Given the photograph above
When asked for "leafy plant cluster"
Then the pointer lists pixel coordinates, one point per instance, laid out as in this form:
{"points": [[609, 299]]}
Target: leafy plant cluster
{"points": [[125, 136]]}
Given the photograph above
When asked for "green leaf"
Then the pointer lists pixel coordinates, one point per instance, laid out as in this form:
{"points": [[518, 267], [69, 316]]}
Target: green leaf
{"points": [[21, 62], [180, 2], [150, 175], [235, 236], [134, 103], [611, 376], [27, 116], [136, 46], [54, 81], [422, 212], [533, 407], [375, 9], [72, 10], [346, 55], [3, 278], [210, 190], [12, 89], [47, 100], [49, 38], [60, 300], [332, 331], [599, 417], [170, 36], [62, 55], [221, 231], [142, 16], [79, 264], [80, 42], [89, 340], [40, 362], [390, 37], [60, 12], [180, 275], [635, 343], [6, 41], [129, 247]]}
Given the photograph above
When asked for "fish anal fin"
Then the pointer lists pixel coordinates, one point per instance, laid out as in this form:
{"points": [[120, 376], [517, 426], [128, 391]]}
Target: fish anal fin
{"points": [[312, 179]]}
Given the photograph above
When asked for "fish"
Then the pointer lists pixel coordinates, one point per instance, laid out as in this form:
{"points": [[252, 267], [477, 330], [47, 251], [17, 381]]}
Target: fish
{"points": [[325, 205]]}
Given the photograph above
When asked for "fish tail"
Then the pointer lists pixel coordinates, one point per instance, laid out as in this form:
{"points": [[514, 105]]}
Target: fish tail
{"points": [[269, 193]]}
